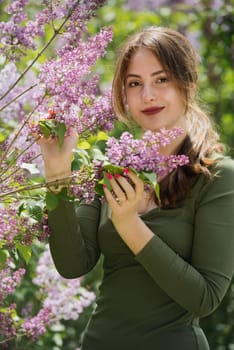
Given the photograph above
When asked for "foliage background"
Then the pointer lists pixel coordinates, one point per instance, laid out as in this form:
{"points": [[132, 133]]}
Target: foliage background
{"points": [[210, 26]]}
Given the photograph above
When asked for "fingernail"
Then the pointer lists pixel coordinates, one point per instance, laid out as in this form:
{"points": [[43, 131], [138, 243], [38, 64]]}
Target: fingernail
{"points": [[117, 176], [104, 185], [109, 176], [126, 171]]}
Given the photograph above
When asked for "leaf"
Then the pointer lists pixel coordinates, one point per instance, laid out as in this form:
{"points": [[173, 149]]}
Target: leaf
{"points": [[25, 251], [51, 201], [84, 145], [113, 169], [3, 258], [61, 133], [99, 187], [83, 156], [102, 136], [37, 212], [151, 177], [106, 182], [44, 129], [32, 168], [157, 191]]}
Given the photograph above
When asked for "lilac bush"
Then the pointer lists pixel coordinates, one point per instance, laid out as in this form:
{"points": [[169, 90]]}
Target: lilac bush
{"points": [[48, 97], [60, 83]]}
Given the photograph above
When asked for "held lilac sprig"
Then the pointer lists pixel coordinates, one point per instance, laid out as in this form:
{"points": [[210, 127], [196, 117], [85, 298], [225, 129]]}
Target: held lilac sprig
{"points": [[143, 155]]}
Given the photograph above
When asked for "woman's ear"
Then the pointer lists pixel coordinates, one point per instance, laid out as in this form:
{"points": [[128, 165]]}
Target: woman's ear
{"points": [[192, 89]]}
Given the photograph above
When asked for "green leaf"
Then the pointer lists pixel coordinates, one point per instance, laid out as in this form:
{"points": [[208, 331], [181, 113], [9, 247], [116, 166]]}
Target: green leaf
{"points": [[157, 191], [32, 168], [106, 182], [99, 187], [51, 200], [25, 251], [3, 258], [113, 169], [151, 177], [82, 155], [84, 145], [102, 136], [36, 212], [61, 133], [44, 129]]}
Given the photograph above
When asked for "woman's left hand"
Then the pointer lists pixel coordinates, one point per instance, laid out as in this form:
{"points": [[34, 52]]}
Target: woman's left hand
{"points": [[125, 199]]}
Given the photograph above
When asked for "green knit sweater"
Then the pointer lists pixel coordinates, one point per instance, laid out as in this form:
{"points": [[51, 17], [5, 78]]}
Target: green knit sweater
{"points": [[153, 300]]}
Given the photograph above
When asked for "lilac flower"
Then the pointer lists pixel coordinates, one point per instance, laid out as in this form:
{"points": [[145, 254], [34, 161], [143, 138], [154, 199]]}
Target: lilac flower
{"points": [[36, 325], [22, 228], [66, 298], [144, 154], [85, 180], [9, 281], [8, 328], [72, 95]]}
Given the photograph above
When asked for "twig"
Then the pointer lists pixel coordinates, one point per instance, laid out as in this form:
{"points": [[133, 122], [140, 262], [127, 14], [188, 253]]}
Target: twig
{"points": [[18, 96], [62, 181], [20, 129], [56, 32]]}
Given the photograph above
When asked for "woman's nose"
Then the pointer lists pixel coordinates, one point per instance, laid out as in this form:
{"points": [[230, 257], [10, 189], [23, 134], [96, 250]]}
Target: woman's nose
{"points": [[148, 94]]}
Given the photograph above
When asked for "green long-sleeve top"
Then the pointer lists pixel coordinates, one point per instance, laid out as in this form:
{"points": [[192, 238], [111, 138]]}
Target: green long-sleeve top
{"points": [[153, 299]]}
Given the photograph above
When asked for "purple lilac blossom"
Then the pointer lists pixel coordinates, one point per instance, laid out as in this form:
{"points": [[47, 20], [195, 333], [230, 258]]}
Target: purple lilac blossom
{"points": [[9, 281], [144, 154], [72, 95], [66, 298], [151, 5], [20, 228], [84, 181], [36, 326]]}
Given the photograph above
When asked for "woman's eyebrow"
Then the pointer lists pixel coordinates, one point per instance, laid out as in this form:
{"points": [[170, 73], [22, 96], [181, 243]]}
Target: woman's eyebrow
{"points": [[132, 75]]}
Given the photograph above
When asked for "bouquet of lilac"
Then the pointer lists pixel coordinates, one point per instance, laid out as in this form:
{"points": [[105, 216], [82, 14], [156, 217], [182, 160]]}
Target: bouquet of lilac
{"points": [[141, 155]]}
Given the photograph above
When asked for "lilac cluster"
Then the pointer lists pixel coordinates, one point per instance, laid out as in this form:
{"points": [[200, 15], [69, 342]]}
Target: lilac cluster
{"points": [[152, 5], [144, 154], [19, 32], [23, 229], [9, 281], [8, 328], [85, 180], [15, 35], [15, 111], [66, 298], [71, 93], [36, 326]]}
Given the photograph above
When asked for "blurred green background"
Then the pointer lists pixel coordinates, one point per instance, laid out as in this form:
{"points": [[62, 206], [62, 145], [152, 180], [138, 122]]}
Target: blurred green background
{"points": [[209, 24]]}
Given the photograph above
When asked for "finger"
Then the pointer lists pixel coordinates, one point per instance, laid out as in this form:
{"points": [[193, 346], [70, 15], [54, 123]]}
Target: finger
{"points": [[126, 187], [139, 184], [117, 189], [112, 201]]}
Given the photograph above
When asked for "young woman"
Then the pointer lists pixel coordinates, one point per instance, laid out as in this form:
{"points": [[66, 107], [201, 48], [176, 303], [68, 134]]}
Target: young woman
{"points": [[164, 267]]}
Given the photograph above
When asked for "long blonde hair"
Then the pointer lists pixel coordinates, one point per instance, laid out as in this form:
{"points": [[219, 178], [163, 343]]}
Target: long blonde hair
{"points": [[177, 56]]}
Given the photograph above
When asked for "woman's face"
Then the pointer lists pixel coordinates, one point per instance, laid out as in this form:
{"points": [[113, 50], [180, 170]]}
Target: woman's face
{"points": [[153, 99]]}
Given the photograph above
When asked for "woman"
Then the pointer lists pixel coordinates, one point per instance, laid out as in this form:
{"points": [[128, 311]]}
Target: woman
{"points": [[164, 267]]}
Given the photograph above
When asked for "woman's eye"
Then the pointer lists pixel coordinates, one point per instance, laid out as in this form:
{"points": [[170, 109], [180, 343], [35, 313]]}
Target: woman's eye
{"points": [[162, 80], [133, 83]]}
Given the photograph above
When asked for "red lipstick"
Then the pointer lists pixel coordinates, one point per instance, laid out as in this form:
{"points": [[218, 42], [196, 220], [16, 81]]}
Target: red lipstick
{"points": [[152, 110]]}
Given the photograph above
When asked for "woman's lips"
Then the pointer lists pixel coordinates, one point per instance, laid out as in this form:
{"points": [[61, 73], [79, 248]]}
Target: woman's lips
{"points": [[152, 110]]}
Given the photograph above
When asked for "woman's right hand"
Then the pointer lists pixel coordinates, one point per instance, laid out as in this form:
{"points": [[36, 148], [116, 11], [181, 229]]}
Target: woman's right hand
{"points": [[57, 159]]}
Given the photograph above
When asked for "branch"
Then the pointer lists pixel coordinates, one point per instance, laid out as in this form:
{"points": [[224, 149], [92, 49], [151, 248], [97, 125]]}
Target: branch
{"points": [[20, 129], [18, 96], [17, 157], [62, 181], [56, 32]]}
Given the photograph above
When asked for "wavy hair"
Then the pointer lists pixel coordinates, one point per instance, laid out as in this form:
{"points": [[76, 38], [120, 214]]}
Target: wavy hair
{"points": [[177, 56]]}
